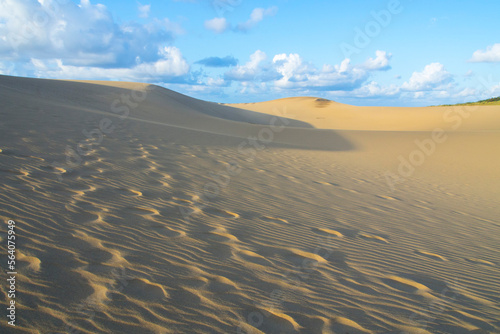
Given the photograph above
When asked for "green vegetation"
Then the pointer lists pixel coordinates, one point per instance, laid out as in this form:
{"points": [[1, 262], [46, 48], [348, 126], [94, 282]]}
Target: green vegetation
{"points": [[492, 101]]}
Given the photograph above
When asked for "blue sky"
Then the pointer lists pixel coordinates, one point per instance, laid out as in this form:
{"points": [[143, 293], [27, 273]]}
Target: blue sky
{"points": [[390, 52]]}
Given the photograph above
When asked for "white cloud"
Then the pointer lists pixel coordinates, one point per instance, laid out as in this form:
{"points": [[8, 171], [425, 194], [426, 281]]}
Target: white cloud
{"points": [[217, 25], [171, 67], [144, 10], [257, 16], [291, 72], [250, 70], [418, 95], [258, 88], [433, 76], [344, 66], [373, 89], [171, 64], [216, 82], [481, 91], [80, 34], [380, 63], [490, 55], [292, 69], [344, 76]]}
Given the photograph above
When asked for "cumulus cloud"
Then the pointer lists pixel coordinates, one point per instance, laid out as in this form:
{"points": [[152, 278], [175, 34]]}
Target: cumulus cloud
{"points": [[373, 90], [216, 82], [299, 74], [338, 77], [171, 67], [291, 72], [218, 62], [217, 25], [380, 62], [490, 55], [257, 15], [433, 76], [292, 68], [249, 71], [81, 34]]}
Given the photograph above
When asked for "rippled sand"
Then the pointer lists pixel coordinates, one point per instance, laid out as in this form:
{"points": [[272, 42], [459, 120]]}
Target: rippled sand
{"points": [[140, 210]]}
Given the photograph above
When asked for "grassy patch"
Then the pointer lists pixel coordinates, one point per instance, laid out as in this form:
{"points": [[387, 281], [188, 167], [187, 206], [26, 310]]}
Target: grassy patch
{"points": [[492, 101]]}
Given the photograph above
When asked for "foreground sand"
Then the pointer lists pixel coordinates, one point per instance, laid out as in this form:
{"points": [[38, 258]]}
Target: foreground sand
{"points": [[140, 210]]}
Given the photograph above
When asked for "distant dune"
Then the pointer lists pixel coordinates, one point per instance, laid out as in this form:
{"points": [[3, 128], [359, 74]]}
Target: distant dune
{"points": [[142, 210], [326, 114]]}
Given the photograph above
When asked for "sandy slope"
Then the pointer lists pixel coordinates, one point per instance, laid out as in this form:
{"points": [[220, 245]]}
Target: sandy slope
{"points": [[326, 114], [461, 152], [183, 216]]}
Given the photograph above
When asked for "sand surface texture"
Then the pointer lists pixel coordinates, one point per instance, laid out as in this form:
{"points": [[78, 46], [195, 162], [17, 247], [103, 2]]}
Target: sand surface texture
{"points": [[141, 210]]}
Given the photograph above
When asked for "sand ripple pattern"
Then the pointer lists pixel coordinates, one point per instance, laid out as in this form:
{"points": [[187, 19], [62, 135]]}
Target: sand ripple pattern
{"points": [[298, 242]]}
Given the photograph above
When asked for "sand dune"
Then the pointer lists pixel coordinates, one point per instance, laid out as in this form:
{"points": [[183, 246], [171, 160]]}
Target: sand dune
{"points": [[454, 144], [141, 210], [326, 114]]}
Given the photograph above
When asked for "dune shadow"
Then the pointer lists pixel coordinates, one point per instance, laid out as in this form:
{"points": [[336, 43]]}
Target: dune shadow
{"points": [[180, 114]]}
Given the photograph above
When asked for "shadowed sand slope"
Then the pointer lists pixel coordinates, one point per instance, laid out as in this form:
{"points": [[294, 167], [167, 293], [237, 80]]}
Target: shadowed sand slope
{"points": [[175, 215], [156, 105]]}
